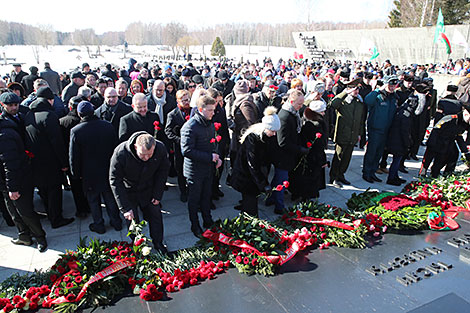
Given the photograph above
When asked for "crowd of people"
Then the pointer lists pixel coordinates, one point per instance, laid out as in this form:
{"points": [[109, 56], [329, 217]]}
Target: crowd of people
{"points": [[114, 135]]}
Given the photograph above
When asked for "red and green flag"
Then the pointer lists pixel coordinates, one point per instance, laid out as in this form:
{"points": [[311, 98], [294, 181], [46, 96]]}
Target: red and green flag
{"points": [[440, 33]]}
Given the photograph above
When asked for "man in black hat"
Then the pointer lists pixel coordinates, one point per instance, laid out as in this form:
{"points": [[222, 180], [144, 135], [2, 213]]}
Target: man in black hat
{"points": [[44, 140], [223, 84], [71, 90], [17, 74], [340, 85], [92, 143], [15, 174], [185, 79]]}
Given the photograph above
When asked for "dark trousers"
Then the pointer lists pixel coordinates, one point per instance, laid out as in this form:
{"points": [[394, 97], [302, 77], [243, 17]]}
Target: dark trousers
{"points": [[375, 149], [393, 171], [94, 200], [280, 176], [341, 160], [52, 197], [383, 161], [199, 197], [179, 161], [25, 218], [250, 204], [4, 211], [153, 215], [81, 203]]}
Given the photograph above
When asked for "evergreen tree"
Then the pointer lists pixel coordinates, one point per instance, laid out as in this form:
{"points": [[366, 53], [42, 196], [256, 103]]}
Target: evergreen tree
{"points": [[394, 18], [455, 11], [218, 48]]}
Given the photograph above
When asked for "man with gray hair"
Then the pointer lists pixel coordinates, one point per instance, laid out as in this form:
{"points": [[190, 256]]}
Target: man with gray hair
{"points": [[84, 92], [138, 173], [140, 119]]}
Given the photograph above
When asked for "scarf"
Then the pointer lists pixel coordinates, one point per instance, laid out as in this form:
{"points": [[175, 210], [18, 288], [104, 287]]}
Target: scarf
{"points": [[289, 108], [159, 103]]}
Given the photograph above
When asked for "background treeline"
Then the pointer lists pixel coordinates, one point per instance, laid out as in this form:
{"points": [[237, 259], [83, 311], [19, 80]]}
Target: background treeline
{"points": [[171, 34]]}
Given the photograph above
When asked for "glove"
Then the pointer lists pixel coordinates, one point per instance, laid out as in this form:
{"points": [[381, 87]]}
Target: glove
{"points": [[304, 151], [267, 189]]}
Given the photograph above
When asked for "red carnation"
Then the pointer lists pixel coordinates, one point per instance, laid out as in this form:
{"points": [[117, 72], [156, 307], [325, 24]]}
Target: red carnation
{"points": [[212, 140], [187, 117], [145, 295], [70, 297], [227, 263], [61, 269], [69, 285], [8, 307], [217, 126], [318, 135], [285, 183], [20, 304], [33, 306], [238, 259], [218, 138], [279, 187], [309, 144], [78, 279], [139, 242], [246, 260], [53, 277], [29, 154], [113, 252], [254, 262], [193, 281], [323, 236]]}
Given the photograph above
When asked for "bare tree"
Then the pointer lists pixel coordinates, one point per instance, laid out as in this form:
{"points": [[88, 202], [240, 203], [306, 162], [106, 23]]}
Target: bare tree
{"points": [[172, 32]]}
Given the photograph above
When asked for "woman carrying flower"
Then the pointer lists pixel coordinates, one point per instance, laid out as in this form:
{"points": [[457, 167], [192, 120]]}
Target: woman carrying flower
{"points": [[249, 174]]}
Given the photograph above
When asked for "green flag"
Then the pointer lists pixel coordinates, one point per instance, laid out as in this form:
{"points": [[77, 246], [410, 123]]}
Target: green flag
{"points": [[439, 27], [375, 53]]}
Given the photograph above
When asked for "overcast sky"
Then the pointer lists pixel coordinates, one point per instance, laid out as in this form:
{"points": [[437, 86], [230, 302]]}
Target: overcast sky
{"points": [[115, 15]]}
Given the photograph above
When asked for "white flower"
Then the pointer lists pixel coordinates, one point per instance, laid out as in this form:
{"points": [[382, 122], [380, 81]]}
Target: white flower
{"points": [[146, 251]]}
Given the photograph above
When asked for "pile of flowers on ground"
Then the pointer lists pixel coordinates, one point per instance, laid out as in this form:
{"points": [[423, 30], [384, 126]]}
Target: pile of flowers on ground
{"points": [[331, 225], [96, 273]]}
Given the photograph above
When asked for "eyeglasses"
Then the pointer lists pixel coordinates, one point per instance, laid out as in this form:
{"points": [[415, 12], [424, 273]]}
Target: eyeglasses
{"points": [[192, 86]]}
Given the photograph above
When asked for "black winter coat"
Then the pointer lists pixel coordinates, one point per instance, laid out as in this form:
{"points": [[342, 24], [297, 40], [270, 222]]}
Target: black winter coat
{"points": [[15, 166], [14, 77], [169, 106], [27, 83], [66, 124], [221, 117], [262, 102], [250, 174], [196, 147], [399, 134], [133, 181], [97, 100], [44, 140], [224, 89], [288, 141], [69, 91], [92, 144], [121, 110], [133, 122], [309, 178]]}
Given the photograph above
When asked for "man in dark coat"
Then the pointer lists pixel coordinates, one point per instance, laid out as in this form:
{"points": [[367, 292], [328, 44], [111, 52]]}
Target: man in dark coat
{"points": [[112, 110], [52, 78], [66, 124], [224, 84], [15, 174], [17, 74], [340, 85], [92, 143], [108, 72], [138, 172], [266, 97], [44, 140], [290, 149], [60, 108], [71, 89], [198, 145], [28, 80], [97, 99], [175, 121], [140, 119]]}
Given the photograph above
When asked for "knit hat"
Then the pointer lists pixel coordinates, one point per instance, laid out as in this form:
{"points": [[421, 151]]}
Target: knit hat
{"points": [[317, 106], [9, 98], [270, 119], [85, 108], [45, 92], [241, 86]]}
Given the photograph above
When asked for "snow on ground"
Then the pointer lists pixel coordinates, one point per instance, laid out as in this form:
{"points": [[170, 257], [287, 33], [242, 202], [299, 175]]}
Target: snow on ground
{"points": [[67, 58]]}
